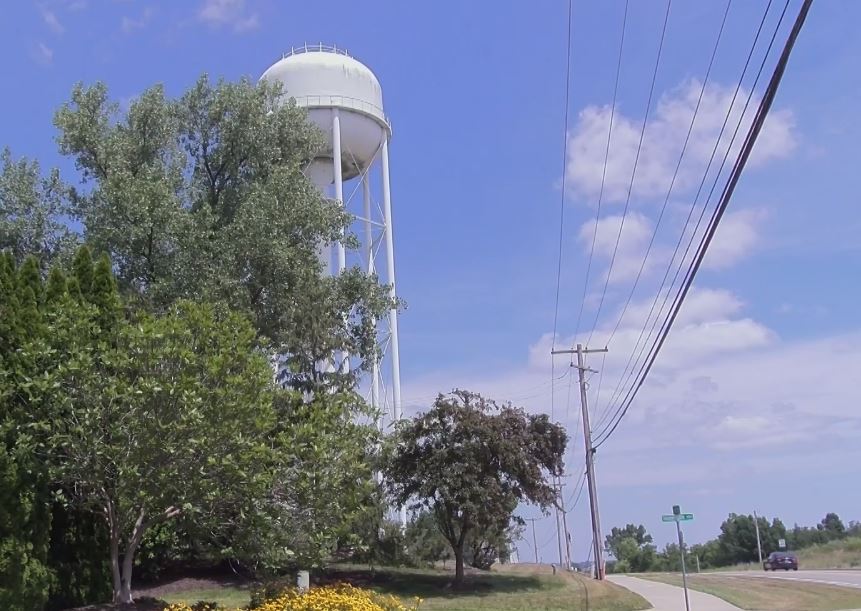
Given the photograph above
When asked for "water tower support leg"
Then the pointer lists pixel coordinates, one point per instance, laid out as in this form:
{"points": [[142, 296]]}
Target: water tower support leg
{"points": [[390, 278], [369, 245], [339, 180]]}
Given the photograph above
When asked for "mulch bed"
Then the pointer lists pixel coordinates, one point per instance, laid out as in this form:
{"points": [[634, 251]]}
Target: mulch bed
{"points": [[142, 604]]}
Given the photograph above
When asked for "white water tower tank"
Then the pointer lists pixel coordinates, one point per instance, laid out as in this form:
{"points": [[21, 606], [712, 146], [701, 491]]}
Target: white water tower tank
{"points": [[344, 99], [327, 81]]}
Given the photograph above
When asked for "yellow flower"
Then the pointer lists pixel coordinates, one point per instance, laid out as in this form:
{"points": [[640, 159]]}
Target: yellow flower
{"points": [[341, 597]]}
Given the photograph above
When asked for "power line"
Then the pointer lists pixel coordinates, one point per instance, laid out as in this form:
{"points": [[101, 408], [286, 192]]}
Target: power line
{"points": [[577, 491], [623, 381], [675, 172], [634, 169], [604, 171], [561, 204], [629, 367], [754, 131]]}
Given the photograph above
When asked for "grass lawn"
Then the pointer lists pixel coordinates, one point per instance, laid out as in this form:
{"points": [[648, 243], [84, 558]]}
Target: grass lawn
{"points": [[768, 594], [513, 588]]}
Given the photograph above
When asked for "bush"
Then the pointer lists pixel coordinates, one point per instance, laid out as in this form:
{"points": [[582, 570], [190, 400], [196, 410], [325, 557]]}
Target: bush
{"points": [[331, 598]]}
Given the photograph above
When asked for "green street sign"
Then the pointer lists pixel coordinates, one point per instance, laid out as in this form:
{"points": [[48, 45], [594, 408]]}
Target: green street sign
{"points": [[682, 517]]}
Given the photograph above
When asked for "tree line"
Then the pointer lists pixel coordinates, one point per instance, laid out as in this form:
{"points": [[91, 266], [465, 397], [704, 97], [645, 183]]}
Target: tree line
{"points": [[142, 425], [634, 552]]}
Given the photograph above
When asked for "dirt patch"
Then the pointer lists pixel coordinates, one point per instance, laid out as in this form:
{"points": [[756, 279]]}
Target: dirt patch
{"points": [[142, 604], [184, 584]]}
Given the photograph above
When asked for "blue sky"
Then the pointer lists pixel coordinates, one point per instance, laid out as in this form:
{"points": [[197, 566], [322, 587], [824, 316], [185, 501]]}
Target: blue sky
{"points": [[752, 404]]}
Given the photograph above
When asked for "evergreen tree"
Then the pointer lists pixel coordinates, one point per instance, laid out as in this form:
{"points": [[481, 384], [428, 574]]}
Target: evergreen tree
{"points": [[25, 515], [55, 289], [82, 269]]}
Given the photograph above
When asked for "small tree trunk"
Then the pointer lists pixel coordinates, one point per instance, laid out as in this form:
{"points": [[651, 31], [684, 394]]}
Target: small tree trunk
{"points": [[113, 527], [115, 567], [125, 594], [458, 564]]}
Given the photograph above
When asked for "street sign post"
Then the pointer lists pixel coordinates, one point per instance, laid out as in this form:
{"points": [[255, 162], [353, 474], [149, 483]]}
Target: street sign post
{"points": [[781, 543], [678, 517]]}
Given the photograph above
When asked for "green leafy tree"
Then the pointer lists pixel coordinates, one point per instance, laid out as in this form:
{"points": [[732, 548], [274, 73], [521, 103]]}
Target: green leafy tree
{"points": [[32, 208], [25, 501], [832, 526], [708, 553], [165, 416], [424, 541], [471, 461], [485, 547], [737, 540], [631, 547], [204, 197], [321, 481], [637, 533], [668, 559]]}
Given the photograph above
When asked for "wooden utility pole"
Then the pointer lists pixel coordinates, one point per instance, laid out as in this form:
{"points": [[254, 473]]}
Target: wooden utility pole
{"points": [[534, 540], [580, 351], [563, 537], [758, 540]]}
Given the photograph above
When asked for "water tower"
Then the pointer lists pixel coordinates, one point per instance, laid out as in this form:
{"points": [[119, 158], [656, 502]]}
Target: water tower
{"points": [[344, 99]]}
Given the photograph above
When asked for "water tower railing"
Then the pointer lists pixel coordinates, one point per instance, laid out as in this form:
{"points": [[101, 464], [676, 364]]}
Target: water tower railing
{"points": [[342, 101], [318, 48]]}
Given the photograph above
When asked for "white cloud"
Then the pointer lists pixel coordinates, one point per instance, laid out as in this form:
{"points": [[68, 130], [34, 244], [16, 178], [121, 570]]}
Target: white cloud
{"points": [[51, 20], [232, 13], [636, 232], [701, 305], [663, 141], [736, 236], [43, 54], [130, 24]]}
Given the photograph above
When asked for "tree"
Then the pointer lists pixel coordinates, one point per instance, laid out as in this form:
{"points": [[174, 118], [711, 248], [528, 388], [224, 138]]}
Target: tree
{"points": [[25, 501], [471, 461], [632, 549], [321, 481], [617, 535], [832, 526], [31, 210], [485, 547], [204, 197], [737, 541], [145, 434], [708, 553], [424, 542]]}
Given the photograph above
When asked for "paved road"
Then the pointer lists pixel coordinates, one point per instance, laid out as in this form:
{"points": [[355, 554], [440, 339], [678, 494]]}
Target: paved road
{"points": [[848, 578], [665, 597]]}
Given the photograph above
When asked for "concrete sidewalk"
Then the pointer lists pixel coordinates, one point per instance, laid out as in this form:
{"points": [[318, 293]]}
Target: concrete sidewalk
{"points": [[665, 597]]}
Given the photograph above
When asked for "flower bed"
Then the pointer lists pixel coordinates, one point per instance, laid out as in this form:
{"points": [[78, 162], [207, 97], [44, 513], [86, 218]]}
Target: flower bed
{"points": [[342, 597]]}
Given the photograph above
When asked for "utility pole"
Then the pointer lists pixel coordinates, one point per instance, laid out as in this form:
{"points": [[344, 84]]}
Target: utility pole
{"points": [[564, 558], [557, 486], [590, 456], [534, 540], [758, 541], [565, 530]]}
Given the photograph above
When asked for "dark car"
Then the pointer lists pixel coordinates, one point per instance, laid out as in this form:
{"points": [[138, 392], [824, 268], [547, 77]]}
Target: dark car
{"points": [[780, 560]]}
